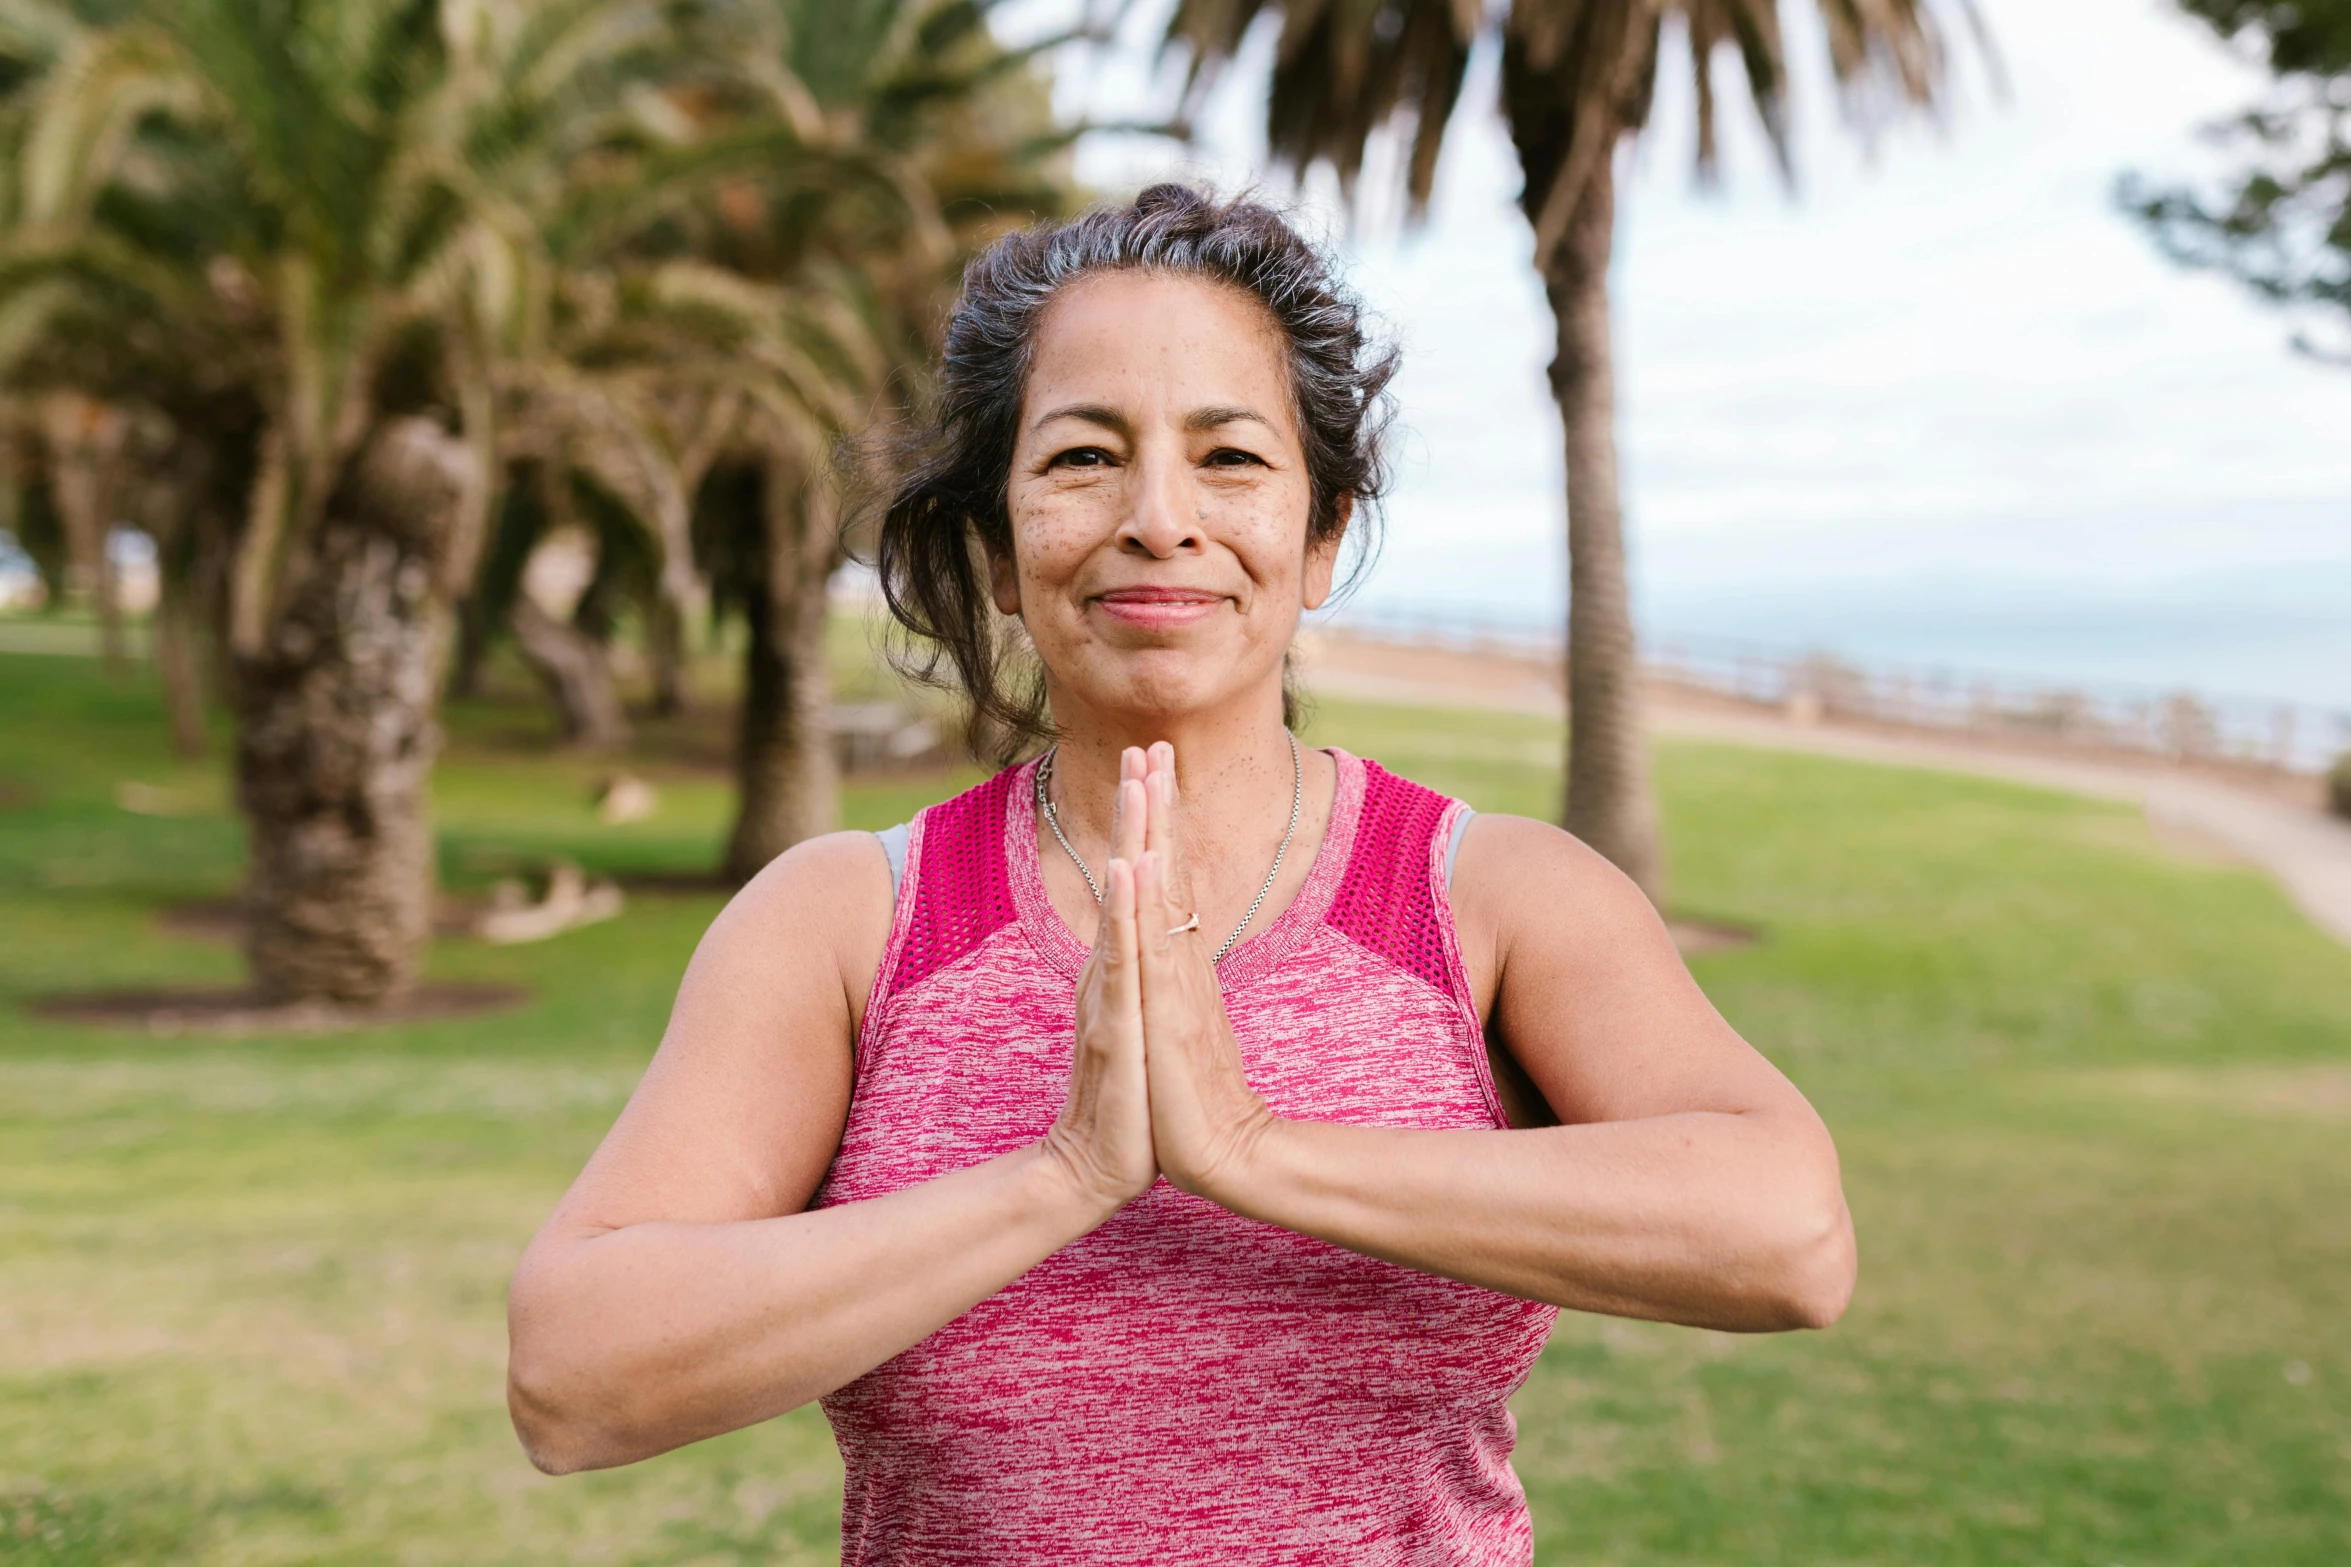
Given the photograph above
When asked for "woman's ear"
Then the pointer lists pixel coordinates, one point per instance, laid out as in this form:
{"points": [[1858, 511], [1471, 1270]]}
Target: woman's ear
{"points": [[1003, 582], [1322, 557]]}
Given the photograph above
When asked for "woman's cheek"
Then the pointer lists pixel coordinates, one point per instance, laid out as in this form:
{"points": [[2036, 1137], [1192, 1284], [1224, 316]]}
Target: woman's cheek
{"points": [[1269, 542], [1056, 530]]}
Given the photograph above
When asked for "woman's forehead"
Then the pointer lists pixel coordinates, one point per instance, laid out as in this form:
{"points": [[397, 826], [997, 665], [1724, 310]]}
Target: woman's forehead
{"points": [[1162, 341]]}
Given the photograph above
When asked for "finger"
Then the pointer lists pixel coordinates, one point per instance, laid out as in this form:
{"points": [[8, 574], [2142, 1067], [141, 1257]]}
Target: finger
{"points": [[1129, 821], [1163, 776], [1155, 819], [1153, 918], [1120, 954], [1161, 836], [1150, 942], [1134, 766]]}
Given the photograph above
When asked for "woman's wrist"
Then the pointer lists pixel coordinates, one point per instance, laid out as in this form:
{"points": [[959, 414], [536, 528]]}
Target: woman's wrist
{"points": [[1238, 1160], [1074, 1185]]}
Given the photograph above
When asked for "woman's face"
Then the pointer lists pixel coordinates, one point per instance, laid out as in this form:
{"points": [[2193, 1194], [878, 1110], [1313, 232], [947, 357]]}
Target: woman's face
{"points": [[1159, 497]]}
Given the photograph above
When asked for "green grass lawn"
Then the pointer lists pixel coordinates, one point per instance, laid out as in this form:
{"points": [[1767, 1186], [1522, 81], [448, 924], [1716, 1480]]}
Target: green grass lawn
{"points": [[2094, 1103]]}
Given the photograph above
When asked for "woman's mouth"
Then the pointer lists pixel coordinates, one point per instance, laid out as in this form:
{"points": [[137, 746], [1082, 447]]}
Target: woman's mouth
{"points": [[1159, 608]]}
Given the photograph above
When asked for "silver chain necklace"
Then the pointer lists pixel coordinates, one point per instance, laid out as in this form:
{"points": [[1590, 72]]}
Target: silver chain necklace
{"points": [[1052, 814]]}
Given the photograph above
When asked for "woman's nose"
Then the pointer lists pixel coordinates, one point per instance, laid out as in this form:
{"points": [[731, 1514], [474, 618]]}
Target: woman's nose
{"points": [[1163, 517]]}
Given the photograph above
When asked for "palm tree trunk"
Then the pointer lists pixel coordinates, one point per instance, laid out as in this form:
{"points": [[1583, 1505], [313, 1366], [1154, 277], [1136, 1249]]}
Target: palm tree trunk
{"points": [[337, 732], [1608, 802], [178, 667], [576, 669], [665, 649], [175, 507], [336, 738], [86, 442], [473, 648], [789, 788]]}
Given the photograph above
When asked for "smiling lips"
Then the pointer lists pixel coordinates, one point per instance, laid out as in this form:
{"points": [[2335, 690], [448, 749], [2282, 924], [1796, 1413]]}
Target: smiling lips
{"points": [[1160, 607]]}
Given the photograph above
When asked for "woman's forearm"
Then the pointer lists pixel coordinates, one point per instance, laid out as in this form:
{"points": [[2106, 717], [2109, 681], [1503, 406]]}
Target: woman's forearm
{"points": [[1712, 1220], [633, 1341]]}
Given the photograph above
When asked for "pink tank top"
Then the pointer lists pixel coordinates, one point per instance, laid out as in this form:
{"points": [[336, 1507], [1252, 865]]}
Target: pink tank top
{"points": [[1182, 1385]]}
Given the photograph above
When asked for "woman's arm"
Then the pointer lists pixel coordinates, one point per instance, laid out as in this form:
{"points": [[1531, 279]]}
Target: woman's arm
{"points": [[680, 1290], [1692, 1183]]}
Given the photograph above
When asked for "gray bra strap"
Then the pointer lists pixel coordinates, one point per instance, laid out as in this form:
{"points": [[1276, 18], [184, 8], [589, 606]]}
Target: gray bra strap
{"points": [[1453, 844], [894, 845]]}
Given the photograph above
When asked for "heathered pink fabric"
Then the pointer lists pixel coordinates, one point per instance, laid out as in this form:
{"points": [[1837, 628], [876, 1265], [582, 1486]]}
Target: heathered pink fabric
{"points": [[1182, 1386]]}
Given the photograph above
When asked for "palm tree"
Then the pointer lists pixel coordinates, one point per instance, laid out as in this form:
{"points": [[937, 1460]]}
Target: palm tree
{"points": [[304, 232], [717, 337], [658, 369], [1577, 78], [942, 138], [78, 462]]}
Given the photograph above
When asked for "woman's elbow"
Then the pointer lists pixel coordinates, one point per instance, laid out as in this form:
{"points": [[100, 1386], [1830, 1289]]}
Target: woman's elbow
{"points": [[1817, 1268], [556, 1412], [547, 1416]]}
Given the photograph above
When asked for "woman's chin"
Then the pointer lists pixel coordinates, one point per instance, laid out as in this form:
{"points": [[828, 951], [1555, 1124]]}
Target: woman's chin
{"points": [[1162, 684]]}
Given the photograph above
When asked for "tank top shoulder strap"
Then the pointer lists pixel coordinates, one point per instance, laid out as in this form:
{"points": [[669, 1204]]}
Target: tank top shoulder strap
{"points": [[954, 890], [1393, 898]]}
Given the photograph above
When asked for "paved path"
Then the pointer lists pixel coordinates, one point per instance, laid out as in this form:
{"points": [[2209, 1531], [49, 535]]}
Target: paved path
{"points": [[2307, 852]]}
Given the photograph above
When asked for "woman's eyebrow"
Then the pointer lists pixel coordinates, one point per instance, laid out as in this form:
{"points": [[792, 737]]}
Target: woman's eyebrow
{"points": [[1219, 414], [1092, 413]]}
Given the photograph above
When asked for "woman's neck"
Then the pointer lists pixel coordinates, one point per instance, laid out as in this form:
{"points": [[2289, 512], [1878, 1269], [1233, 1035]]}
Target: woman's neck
{"points": [[1235, 783]]}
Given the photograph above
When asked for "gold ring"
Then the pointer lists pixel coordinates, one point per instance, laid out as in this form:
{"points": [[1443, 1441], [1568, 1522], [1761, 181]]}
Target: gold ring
{"points": [[1191, 924]]}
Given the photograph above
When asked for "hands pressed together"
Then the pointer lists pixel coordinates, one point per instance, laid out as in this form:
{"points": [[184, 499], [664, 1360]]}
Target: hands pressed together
{"points": [[1156, 1085]]}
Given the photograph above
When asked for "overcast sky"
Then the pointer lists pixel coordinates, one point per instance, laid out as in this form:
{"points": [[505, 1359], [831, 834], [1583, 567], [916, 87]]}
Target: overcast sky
{"points": [[1943, 404]]}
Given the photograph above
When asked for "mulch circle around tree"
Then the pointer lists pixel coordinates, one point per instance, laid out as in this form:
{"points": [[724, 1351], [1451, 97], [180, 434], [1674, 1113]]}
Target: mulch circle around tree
{"points": [[243, 1014]]}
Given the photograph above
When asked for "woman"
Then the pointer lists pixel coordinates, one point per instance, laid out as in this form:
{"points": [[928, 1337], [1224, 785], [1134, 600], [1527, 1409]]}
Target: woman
{"points": [[1118, 1152]]}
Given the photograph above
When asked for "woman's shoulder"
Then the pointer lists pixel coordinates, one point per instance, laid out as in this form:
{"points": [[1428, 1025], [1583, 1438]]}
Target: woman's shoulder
{"points": [[838, 895], [819, 911], [1516, 880]]}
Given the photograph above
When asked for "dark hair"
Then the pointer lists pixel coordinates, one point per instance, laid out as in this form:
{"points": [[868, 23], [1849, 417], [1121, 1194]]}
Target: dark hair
{"points": [[954, 469]]}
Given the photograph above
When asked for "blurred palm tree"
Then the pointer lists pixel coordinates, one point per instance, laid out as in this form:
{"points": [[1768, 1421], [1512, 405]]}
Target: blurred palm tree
{"points": [[307, 235], [941, 138], [1577, 77], [776, 289], [353, 268]]}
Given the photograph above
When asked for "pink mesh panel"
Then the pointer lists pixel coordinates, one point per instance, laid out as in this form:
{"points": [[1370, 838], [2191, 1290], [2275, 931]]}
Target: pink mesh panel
{"points": [[1388, 900], [962, 889]]}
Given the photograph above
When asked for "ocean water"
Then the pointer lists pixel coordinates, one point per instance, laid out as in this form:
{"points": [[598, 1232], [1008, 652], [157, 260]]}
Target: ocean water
{"points": [[2249, 632]]}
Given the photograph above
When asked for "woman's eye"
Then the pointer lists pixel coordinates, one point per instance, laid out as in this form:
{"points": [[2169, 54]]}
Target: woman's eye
{"points": [[1080, 457], [1233, 457]]}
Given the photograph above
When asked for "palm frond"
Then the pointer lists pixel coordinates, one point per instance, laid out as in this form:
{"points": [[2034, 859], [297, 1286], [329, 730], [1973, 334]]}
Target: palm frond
{"points": [[1577, 76], [86, 112]]}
